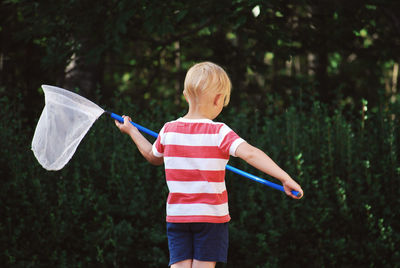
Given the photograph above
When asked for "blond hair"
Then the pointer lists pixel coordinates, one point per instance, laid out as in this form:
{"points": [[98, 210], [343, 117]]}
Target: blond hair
{"points": [[206, 76]]}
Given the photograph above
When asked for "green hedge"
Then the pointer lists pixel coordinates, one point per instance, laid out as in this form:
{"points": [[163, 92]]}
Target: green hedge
{"points": [[106, 208]]}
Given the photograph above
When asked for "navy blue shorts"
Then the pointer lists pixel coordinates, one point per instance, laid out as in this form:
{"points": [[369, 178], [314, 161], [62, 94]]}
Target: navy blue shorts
{"points": [[200, 241]]}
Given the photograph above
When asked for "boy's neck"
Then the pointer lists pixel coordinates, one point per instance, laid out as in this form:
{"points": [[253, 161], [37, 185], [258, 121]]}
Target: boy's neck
{"points": [[198, 112], [196, 116], [207, 106]]}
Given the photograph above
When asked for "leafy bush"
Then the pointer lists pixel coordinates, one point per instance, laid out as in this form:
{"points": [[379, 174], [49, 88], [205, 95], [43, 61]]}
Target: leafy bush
{"points": [[106, 207]]}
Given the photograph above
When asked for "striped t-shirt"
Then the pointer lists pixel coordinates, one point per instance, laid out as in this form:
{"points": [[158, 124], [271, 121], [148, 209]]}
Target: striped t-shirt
{"points": [[195, 153]]}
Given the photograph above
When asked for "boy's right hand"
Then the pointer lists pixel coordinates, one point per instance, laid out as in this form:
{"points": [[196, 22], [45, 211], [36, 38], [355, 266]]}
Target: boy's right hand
{"points": [[290, 185], [126, 127]]}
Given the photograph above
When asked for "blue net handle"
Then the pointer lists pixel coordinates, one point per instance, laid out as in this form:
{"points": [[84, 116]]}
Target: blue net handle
{"points": [[228, 167]]}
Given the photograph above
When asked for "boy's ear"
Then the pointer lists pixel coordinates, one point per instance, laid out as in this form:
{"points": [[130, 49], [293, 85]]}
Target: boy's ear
{"points": [[186, 98], [218, 98]]}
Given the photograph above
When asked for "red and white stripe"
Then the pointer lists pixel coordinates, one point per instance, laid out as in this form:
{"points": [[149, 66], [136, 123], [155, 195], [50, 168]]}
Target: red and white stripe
{"points": [[195, 155]]}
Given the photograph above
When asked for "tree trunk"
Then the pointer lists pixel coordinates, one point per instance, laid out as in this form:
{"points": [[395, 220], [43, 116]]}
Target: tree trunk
{"points": [[85, 76]]}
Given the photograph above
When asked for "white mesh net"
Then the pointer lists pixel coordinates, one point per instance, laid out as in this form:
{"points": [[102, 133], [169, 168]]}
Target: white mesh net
{"points": [[65, 120]]}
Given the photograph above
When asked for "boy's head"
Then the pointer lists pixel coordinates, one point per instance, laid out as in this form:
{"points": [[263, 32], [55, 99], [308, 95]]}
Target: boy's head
{"points": [[205, 78]]}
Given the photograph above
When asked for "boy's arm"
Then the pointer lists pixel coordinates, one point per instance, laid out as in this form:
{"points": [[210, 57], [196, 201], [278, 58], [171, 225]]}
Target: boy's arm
{"points": [[144, 146], [263, 162]]}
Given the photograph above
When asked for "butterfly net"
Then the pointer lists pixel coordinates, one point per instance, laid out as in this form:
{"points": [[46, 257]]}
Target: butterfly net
{"points": [[65, 120]]}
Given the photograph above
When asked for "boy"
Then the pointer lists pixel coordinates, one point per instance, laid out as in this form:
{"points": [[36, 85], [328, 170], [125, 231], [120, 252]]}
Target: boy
{"points": [[195, 151]]}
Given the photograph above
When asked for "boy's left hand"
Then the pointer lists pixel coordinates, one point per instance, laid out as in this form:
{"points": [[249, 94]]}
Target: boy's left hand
{"points": [[126, 127]]}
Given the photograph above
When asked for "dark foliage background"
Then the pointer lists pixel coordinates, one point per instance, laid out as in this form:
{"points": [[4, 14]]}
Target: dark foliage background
{"points": [[315, 85]]}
